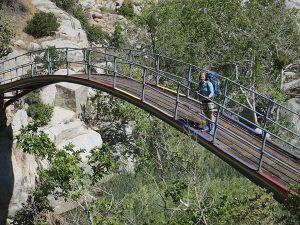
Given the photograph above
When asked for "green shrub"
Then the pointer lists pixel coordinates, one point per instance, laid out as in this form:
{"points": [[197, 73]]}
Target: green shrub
{"points": [[80, 14], [127, 9], [42, 24], [40, 112], [117, 40], [57, 58], [94, 33]]}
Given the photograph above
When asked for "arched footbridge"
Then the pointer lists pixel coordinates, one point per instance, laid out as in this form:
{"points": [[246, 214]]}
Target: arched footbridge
{"points": [[266, 152]]}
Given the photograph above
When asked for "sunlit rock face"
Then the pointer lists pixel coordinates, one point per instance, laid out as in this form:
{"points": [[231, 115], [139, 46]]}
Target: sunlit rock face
{"points": [[18, 170], [70, 32]]}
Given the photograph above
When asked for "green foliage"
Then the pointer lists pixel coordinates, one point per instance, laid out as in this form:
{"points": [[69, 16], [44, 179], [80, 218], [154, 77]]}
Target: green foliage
{"points": [[127, 9], [34, 211], [94, 33], [66, 5], [277, 94], [39, 111], [80, 14], [65, 177], [117, 40], [56, 56], [293, 205], [35, 142], [101, 162], [6, 35], [256, 207], [42, 24], [176, 191], [226, 36], [105, 108]]}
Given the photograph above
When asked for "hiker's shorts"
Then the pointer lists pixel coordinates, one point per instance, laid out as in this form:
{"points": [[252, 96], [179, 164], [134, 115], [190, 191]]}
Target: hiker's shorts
{"points": [[208, 106]]}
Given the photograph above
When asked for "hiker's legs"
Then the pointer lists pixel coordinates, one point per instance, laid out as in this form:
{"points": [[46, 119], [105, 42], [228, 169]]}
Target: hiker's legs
{"points": [[206, 127], [212, 125]]}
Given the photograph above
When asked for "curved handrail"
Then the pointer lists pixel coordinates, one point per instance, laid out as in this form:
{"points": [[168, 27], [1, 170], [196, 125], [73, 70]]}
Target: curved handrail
{"points": [[162, 56], [156, 74]]}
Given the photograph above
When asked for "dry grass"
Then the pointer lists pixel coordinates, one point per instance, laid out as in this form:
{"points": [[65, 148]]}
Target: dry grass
{"points": [[19, 20]]}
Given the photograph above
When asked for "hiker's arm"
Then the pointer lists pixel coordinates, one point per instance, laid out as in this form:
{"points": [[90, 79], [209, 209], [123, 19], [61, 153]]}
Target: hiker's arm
{"points": [[211, 90]]}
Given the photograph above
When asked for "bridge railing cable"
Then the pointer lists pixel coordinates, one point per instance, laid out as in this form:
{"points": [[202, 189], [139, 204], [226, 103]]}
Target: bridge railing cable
{"points": [[238, 103]]}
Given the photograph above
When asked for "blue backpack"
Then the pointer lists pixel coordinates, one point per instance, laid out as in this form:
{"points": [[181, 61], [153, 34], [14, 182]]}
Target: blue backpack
{"points": [[214, 79]]}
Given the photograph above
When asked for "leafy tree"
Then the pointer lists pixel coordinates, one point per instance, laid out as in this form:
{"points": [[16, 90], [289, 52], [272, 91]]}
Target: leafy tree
{"points": [[251, 40], [6, 36], [42, 24], [65, 177]]}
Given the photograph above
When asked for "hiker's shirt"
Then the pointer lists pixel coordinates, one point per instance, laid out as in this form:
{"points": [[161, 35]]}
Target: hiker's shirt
{"points": [[206, 89]]}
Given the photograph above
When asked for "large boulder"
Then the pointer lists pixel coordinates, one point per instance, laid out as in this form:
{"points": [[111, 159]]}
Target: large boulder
{"points": [[294, 84], [71, 96], [65, 95], [20, 120], [25, 172], [48, 94]]}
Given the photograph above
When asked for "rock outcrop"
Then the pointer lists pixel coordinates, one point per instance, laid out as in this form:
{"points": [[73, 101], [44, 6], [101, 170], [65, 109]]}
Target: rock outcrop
{"points": [[18, 170]]}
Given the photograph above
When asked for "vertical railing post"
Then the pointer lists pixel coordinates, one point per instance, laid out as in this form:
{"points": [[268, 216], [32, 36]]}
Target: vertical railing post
{"points": [[67, 60], [85, 62], [189, 81], [157, 68], [115, 71], [16, 65], [48, 61], [177, 101], [89, 64], [264, 134], [144, 84], [130, 63], [220, 111], [106, 59], [31, 62]]}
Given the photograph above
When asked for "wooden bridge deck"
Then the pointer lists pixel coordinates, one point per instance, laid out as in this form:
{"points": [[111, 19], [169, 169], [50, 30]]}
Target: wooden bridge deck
{"points": [[191, 110], [242, 153]]}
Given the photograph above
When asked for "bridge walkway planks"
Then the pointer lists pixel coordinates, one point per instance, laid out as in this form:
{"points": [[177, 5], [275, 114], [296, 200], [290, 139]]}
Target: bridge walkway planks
{"points": [[247, 151]]}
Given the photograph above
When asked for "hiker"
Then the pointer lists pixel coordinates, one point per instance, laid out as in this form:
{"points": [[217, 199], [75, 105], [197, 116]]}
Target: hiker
{"points": [[206, 90]]}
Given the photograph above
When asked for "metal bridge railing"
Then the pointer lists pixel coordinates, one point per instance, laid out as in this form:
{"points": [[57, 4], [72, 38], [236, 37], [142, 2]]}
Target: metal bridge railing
{"points": [[153, 70]]}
